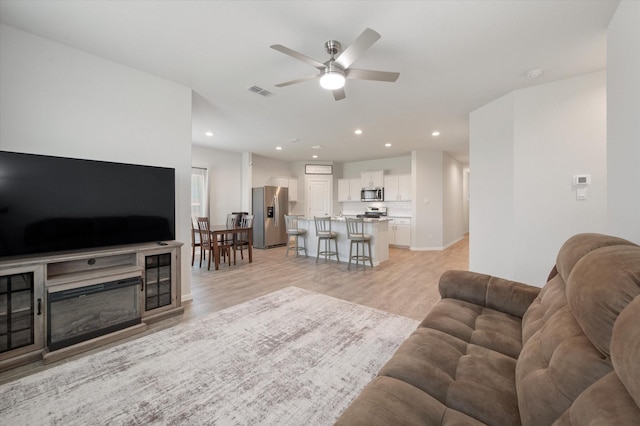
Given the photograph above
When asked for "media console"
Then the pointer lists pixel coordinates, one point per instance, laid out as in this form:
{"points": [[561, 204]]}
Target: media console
{"points": [[54, 306]]}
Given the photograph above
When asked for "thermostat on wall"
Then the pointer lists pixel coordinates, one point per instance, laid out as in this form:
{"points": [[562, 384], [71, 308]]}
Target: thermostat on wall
{"points": [[582, 179]]}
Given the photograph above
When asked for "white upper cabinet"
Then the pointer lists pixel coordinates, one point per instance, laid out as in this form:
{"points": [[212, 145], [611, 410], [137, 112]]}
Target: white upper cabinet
{"points": [[373, 179], [397, 188], [349, 189]]}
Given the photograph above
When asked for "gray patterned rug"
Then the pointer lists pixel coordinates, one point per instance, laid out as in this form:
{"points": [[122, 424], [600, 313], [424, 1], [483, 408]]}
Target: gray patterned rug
{"points": [[292, 357]]}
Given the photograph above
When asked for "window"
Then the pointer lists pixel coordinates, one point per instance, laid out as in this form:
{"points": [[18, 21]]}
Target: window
{"points": [[199, 192]]}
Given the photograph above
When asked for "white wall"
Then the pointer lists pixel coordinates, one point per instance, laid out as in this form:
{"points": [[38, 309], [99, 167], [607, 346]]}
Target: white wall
{"points": [[623, 121], [225, 180], [56, 100], [265, 168], [427, 209], [452, 209], [491, 188], [525, 148]]}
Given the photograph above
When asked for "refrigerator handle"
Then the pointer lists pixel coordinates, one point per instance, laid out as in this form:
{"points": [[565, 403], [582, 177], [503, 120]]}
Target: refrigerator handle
{"points": [[277, 211]]}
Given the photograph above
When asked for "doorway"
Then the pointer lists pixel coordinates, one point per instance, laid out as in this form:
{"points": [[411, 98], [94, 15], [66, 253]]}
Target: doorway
{"points": [[319, 199]]}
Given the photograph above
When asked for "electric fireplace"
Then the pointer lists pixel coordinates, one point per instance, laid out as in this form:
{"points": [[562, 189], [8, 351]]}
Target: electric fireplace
{"points": [[87, 311]]}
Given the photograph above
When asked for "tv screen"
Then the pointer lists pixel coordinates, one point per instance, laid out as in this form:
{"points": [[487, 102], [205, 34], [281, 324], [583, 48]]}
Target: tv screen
{"points": [[50, 204]]}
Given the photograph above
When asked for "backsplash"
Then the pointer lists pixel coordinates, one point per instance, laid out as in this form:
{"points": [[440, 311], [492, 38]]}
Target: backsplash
{"points": [[395, 208]]}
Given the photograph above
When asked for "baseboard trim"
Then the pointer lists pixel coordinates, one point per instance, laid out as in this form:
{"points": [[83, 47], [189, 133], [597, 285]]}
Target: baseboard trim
{"points": [[457, 240]]}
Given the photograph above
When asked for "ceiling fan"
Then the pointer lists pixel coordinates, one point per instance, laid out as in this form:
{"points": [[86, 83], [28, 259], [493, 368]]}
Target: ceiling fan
{"points": [[335, 71]]}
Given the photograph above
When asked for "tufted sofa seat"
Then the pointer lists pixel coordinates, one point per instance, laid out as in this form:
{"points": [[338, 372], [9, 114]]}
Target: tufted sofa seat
{"points": [[497, 352]]}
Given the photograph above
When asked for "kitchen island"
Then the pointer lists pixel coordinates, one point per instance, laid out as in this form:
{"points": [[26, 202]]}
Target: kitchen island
{"points": [[377, 228]]}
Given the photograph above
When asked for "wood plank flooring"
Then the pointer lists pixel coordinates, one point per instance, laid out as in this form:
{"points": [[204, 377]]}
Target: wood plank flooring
{"points": [[406, 285]]}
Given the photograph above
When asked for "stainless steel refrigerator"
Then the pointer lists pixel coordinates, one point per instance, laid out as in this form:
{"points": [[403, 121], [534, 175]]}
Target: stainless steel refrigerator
{"points": [[270, 204]]}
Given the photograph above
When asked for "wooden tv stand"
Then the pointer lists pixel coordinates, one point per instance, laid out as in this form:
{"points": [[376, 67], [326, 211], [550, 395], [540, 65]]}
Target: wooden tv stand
{"points": [[29, 287]]}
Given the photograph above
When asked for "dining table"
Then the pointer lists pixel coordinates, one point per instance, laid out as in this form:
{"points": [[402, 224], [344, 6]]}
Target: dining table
{"points": [[218, 230]]}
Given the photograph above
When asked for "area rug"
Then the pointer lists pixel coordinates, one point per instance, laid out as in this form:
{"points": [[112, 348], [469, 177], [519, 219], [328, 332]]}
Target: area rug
{"points": [[291, 357]]}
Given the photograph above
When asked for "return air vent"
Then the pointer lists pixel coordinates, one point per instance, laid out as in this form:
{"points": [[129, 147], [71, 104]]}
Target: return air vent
{"points": [[260, 91]]}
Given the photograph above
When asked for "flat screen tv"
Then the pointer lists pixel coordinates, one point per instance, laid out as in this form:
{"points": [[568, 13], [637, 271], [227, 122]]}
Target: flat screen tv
{"points": [[52, 204]]}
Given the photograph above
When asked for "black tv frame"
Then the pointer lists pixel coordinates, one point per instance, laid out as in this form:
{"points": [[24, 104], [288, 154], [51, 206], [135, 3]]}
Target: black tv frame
{"points": [[52, 204]]}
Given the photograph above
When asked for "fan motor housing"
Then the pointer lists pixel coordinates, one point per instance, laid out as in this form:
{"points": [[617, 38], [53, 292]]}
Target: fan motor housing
{"points": [[332, 47]]}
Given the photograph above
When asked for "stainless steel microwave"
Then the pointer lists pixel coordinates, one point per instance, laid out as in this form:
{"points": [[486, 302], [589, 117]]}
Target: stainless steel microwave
{"points": [[372, 194]]}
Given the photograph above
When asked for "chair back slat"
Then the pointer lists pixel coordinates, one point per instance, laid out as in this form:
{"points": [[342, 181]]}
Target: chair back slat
{"points": [[291, 221], [355, 227], [323, 224], [204, 229]]}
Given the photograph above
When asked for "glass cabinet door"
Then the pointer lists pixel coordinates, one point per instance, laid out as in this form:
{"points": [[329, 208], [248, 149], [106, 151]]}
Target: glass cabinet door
{"points": [[21, 315]]}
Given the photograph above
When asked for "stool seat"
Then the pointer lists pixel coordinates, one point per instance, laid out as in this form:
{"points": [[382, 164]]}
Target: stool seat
{"points": [[356, 235], [324, 233], [291, 223]]}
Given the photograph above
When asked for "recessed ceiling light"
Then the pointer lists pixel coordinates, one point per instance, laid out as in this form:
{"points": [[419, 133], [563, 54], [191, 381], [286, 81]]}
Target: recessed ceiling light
{"points": [[209, 134], [316, 147], [387, 145], [358, 132], [279, 148], [314, 156], [436, 133]]}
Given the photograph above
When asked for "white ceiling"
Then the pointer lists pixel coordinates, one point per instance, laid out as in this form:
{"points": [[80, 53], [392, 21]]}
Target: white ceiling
{"points": [[453, 57]]}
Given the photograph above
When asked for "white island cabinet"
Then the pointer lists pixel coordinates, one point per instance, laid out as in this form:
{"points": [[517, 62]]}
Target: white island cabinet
{"points": [[377, 228]]}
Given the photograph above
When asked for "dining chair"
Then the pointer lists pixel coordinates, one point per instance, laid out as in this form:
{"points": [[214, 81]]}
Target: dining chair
{"points": [[195, 242], [206, 242], [242, 238], [205, 239], [226, 241]]}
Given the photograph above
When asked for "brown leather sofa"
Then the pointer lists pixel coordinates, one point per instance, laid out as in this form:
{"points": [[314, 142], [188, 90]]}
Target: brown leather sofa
{"points": [[498, 352]]}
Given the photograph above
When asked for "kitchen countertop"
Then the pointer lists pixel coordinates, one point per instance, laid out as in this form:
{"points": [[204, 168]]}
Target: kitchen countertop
{"points": [[342, 219]]}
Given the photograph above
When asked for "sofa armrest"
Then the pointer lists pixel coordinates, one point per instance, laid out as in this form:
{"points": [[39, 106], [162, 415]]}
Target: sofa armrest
{"points": [[496, 293]]}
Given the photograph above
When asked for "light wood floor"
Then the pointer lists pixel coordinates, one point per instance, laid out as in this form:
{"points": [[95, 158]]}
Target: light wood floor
{"points": [[406, 285]]}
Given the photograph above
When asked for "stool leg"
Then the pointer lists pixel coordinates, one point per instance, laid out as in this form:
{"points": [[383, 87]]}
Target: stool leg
{"points": [[350, 253], [296, 243], [318, 252], [304, 240], [288, 245]]}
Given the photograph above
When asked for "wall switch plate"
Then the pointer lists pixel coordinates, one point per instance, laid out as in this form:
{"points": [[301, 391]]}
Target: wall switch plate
{"points": [[581, 194]]}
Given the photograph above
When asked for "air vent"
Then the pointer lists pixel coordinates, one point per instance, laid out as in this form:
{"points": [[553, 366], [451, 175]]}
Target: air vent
{"points": [[260, 91]]}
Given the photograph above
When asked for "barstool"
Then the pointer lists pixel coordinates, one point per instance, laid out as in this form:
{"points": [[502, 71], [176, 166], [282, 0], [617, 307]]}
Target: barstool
{"points": [[324, 233], [356, 235], [291, 223]]}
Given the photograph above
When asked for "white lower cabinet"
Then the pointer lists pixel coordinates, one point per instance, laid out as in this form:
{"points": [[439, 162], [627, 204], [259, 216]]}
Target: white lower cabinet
{"points": [[400, 232]]}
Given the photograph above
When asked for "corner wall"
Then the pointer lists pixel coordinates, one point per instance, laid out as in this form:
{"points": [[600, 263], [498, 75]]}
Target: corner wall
{"points": [[623, 121], [524, 149], [55, 100]]}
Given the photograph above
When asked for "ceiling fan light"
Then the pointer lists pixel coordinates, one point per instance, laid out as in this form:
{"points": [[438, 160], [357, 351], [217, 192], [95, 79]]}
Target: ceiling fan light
{"points": [[332, 80]]}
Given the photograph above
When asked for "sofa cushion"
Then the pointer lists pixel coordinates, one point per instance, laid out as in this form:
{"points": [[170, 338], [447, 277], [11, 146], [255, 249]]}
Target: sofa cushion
{"points": [[476, 324], [600, 286], [576, 247], [387, 401], [460, 375], [567, 332]]}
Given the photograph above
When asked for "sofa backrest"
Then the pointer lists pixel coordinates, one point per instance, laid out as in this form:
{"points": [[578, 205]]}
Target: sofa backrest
{"points": [[581, 345]]}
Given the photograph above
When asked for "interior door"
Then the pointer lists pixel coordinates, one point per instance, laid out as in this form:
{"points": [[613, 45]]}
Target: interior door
{"points": [[319, 195]]}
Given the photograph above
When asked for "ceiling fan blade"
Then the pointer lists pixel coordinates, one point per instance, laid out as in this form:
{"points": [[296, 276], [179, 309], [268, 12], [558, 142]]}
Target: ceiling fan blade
{"points": [[357, 48], [299, 56], [357, 74], [299, 80], [339, 94]]}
